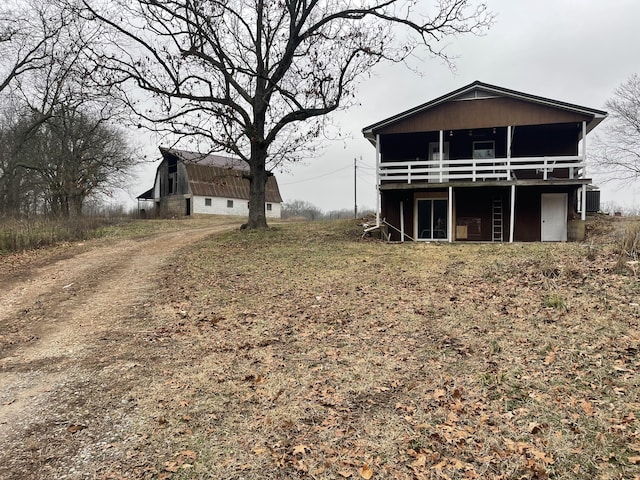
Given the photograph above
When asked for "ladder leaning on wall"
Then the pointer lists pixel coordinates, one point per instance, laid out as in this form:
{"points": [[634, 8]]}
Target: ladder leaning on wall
{"points": [[496, 220]]}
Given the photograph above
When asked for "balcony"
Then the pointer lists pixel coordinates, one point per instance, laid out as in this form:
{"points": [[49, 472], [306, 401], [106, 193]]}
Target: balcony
{"points": [[485, 169]]}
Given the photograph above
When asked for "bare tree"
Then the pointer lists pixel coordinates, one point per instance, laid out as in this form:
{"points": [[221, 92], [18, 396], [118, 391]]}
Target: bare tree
{"points": [[59, 143], [256, 77], [30, 35], [71, 156], [617, 149]]}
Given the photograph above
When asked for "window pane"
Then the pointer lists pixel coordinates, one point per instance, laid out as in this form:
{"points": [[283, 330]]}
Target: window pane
{"points": [[439, 219], [424, 218]]}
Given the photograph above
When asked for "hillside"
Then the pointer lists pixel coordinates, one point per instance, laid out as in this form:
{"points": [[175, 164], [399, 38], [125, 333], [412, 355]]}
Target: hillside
{"points": [[305, 352]]}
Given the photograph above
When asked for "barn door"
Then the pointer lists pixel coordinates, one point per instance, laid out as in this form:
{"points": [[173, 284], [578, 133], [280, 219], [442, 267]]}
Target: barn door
{"points": [[554, 217]]}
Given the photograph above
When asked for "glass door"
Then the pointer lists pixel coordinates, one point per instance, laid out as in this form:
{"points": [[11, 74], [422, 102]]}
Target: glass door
{"points": [[432, 219]]}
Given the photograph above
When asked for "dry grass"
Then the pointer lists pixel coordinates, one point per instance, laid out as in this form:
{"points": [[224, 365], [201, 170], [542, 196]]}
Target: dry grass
{"points": [[302, 352], [21, 235]]}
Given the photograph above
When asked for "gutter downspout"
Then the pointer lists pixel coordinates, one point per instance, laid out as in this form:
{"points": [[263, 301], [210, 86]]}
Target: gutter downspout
{"points": [[402, 222]]}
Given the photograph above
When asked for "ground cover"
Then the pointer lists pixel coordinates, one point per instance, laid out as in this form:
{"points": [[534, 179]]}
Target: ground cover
{"points": [[306, 352], [302, 352]]}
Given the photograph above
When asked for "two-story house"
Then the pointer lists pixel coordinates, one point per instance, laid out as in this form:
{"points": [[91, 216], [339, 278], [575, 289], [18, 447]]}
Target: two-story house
{"points": [[484, 163]]}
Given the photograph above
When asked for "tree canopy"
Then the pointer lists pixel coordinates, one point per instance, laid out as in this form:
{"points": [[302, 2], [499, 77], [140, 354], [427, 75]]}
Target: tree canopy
{"points": [[53, 165], [256, 78]]}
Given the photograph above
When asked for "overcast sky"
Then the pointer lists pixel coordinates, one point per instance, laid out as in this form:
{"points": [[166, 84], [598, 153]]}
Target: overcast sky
{"points": [[577, 51]]}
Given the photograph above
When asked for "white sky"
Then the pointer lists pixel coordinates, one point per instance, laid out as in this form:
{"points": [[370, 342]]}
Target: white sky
{"points": [[577, 51]]}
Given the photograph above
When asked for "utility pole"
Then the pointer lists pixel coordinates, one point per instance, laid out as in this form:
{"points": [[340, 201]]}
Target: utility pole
{"points": [[355, 188]]}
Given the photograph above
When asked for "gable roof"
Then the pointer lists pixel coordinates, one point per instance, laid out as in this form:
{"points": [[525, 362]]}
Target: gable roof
{"points": [[219, 176], [479, 90]]}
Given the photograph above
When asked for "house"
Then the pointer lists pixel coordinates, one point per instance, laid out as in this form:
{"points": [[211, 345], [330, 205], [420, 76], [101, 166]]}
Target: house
{"points": [[484, 163], [189, 183]]}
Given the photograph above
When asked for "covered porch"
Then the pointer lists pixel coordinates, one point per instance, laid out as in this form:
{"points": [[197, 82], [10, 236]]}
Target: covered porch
{"points": [[487, 212]]}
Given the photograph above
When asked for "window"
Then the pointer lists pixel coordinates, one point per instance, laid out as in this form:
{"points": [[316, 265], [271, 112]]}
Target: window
{"points": [[434, 151], [269, 207], [483, 150], [229, 203], [173, 183], [207, 202]]}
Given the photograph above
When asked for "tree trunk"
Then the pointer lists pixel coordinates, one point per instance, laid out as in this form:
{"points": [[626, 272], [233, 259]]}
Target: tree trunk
{"points": [[257, 184]]}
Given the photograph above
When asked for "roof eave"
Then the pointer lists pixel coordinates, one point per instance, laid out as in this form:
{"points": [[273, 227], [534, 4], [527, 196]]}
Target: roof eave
{"points": [[598, 115]]}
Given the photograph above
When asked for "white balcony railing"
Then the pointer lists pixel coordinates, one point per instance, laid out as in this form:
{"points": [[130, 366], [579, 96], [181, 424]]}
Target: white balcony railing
{"points": [[473, 170]]}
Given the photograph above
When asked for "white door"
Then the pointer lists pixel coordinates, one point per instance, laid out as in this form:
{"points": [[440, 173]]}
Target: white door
{"points": [[554, 217]]}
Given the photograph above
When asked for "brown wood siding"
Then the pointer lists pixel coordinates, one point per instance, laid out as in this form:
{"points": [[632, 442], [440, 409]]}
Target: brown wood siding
{"points": [[482, 113], [528, 210], [390, 211], [476, 204]]}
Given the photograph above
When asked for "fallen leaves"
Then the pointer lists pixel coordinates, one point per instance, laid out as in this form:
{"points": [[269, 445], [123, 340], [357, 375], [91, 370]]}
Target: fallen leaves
{"points": [[75, 428], [366, 472], [300, 449], [335, 371]]}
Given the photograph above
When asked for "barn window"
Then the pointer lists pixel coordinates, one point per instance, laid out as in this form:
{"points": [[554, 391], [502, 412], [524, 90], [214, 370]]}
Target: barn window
{"points": [[269, 207], [207, 202], [229, 203]]}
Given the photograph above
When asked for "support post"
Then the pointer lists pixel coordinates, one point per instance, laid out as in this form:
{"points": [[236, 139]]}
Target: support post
{"points": [[355, 188], [584, 149], [450, 215], [509, 174], [441, 154], [512, 213], [402, 221], [583, 213], [378, 161]]}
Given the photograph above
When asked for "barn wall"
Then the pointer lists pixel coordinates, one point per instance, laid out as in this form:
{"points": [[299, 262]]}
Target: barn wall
{"points": [[173, 205], [240, 207]]}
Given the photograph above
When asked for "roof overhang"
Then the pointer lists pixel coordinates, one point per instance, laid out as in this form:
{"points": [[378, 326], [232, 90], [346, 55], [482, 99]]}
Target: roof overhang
{"points": [[148, 195]]}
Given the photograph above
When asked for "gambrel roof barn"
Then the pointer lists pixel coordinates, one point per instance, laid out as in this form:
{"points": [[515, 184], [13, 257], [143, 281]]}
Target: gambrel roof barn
{"points": [[189, 183]]}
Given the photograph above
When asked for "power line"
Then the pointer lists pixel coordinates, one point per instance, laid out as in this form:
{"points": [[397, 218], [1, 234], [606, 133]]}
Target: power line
{"points": [[315, 178]]}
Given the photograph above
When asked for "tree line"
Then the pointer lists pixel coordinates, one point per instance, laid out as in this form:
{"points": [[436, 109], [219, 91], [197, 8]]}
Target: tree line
{"points": [[300, 209], [61, 142], [53, 165], [256, 79]]}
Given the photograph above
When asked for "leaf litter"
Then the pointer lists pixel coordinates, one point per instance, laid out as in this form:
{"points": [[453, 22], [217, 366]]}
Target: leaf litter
{"points": [[304, 352]]}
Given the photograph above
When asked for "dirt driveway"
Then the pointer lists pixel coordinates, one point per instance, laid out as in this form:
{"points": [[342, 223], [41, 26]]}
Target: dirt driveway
{"points": [[70, 322]]}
